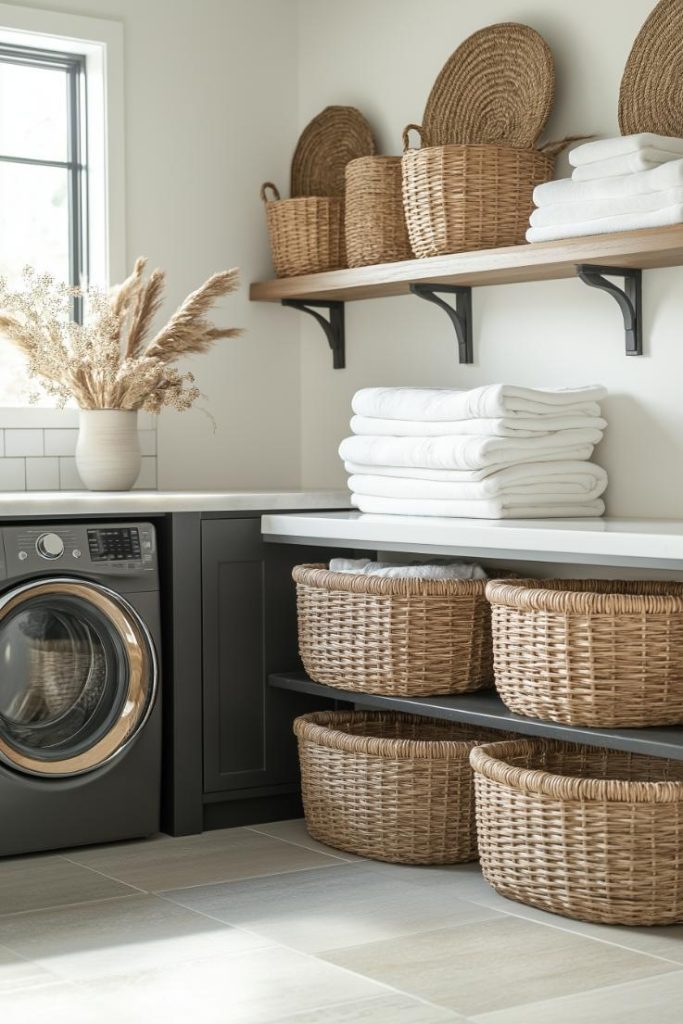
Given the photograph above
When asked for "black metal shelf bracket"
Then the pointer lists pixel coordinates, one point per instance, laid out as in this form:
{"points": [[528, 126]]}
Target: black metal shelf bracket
{"points": [[333, 328], [629, 299], [460, 315]]}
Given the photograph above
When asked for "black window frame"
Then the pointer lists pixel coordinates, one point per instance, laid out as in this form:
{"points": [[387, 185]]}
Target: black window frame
{"points": [[76, 164]]}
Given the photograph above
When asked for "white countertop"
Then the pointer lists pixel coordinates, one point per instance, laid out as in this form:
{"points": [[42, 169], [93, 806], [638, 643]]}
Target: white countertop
{"points": [[106, 503], [654, 543]]}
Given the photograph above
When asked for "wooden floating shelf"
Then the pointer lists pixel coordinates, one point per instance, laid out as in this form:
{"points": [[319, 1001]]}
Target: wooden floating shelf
{"points": [[485, 708], [645, 249]]}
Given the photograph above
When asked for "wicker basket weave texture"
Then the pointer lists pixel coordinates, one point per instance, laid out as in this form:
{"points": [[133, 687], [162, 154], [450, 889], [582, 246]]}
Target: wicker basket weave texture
{"points": [[650, 97], [497, 87], [402, 637], [389, 786], [306, 234], [589, 652], [459, 198], [334, 137], [376, 229], [589, 833]]}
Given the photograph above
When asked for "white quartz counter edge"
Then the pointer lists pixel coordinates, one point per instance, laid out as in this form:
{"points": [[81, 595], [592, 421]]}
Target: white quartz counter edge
{"points": [[608, 541], [111, 503]]}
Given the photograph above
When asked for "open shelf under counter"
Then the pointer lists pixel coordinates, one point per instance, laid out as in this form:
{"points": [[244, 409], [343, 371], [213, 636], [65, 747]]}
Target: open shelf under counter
{"points": [[485, 708], [642, 543]]}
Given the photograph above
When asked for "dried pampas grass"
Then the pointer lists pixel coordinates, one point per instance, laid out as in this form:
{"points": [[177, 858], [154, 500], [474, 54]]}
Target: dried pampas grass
{"points": [[107, 362]]}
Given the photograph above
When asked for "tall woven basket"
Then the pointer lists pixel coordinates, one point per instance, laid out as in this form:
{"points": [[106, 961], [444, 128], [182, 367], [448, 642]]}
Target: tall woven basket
{"points": [[402, 637], [306, 233], [589, 652], [463, 197], [589, 833], [389, 786], [376, 229]]}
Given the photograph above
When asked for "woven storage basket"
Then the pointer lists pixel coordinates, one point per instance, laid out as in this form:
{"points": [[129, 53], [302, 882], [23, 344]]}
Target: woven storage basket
{"points": [[306, 234], [404, 637], [589, 833], [389, 786], [376, 229], [461, 197], [589, 652]]}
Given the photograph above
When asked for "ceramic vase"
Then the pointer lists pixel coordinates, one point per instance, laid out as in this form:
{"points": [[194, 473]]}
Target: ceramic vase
{"points": [[108, 450]]}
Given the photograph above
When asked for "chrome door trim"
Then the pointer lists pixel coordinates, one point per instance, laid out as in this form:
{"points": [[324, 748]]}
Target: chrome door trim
{"points": [[142, 661]]}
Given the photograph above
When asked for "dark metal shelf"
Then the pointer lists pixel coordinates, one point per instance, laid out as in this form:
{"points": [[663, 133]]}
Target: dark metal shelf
{"points": [[486, 708]]}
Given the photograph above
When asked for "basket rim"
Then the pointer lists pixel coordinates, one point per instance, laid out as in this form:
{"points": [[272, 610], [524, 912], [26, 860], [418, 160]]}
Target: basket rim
{"points": [[488, 760], [474, 145], [539, 595], [318, 727], [317, 575]]}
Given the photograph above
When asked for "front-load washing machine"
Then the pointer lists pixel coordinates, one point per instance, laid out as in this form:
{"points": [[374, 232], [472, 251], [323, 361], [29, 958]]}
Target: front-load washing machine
{"points": [[80, 715]]}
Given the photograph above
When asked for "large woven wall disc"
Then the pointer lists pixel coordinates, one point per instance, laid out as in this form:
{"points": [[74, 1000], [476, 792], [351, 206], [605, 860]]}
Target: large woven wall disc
{"points": [[651, 94], [325, 147], [497, 87]]}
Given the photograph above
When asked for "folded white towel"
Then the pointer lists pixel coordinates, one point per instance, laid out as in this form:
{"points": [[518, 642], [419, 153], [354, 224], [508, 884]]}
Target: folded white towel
{"points": [[622, 145], [575, 481], [502, 426], [427, 571], [492, 508], [633, 163], [523, 472], [489, 401], [594, 209], [607, 225], [462, 452], [564, 190]]}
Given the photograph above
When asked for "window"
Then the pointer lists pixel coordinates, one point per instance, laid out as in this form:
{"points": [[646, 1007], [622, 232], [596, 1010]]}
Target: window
{"points": [[43, 163], [61, 156]]}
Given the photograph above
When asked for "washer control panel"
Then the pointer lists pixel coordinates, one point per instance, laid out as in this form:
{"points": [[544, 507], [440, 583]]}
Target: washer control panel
{"points": [[122, 550], [115, 544]]}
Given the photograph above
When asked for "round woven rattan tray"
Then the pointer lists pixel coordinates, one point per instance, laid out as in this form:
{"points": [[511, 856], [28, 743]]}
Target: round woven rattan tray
{"points": [[326, 145], [651, 94]]}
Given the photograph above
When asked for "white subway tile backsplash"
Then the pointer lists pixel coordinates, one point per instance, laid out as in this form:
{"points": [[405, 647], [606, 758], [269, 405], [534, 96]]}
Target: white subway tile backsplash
{"points": [[23, 442], [12, 474], [42, 474], [60, 442], [41, 457]]}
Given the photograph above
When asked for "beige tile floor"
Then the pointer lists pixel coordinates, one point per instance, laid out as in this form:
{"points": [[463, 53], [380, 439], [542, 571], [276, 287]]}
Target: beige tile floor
{"points": [[260, 925]]}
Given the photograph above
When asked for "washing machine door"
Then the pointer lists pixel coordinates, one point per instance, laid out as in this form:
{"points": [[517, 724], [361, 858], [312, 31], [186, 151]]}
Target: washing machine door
{"points": [[78, 676]]}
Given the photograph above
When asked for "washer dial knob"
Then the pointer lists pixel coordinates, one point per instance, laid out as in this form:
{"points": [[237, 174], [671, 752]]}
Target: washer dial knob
{"points": [[50, 545]]}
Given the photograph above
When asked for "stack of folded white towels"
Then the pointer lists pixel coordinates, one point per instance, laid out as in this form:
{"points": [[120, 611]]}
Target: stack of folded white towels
{"points": [[496, 452], [620, 184]]}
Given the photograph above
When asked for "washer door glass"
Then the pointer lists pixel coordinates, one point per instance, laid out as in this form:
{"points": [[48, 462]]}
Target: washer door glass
{"points": [[77, 676]]}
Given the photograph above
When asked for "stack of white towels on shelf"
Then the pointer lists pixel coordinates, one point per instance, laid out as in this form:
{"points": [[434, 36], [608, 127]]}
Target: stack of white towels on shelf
{"points": [[496, 452], [620, 184]]}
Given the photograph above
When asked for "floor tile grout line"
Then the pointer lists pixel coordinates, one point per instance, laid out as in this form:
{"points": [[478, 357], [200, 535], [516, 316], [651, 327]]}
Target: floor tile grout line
{"points": [[457, 1017], [292, 842], [248, 878], [68, 906], [478, 1018], [103, 874], [559, 926]]}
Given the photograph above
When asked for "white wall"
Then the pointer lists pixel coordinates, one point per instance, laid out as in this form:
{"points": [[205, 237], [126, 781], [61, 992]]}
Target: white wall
{"points": [[210, 114], [382, 56]]}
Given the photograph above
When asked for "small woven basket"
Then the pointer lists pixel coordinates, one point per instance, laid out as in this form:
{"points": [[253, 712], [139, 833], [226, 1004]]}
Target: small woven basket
{"points": [[306, 233], [376, 229], [389, 786], [589, 833], [402, 637], [463, 197], [589, 652]]}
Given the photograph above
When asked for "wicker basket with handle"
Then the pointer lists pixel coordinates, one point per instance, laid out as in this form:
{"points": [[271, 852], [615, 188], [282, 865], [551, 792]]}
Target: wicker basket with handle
{"points": [[589, 652], [463, 197], [389, 786], [581, 831], [376, 229], [306, 233], [407, 637]]}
